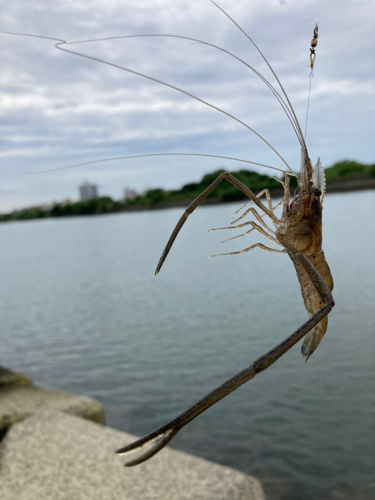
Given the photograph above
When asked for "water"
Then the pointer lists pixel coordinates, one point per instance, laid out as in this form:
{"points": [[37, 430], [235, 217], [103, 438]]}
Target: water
{"points": [[82, 311]]}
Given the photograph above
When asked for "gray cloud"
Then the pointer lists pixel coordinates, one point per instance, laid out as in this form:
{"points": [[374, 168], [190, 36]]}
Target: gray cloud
{"points": [[58, 109]]}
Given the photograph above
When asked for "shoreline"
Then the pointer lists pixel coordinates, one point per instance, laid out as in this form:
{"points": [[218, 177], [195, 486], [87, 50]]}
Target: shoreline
{"points": [[342, 186], [339, 186]]}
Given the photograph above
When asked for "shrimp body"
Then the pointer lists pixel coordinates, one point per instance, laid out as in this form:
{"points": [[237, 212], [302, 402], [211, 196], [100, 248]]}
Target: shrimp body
{"points": [[301, 228], [298, 232]]}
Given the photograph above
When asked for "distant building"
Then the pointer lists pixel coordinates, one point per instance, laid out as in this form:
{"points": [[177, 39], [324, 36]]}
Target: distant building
{"points": [[130, 194], [88, 191]]}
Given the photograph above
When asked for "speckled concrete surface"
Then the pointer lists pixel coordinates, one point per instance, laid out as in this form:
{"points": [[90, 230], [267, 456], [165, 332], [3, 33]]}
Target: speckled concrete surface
{"points": [[56, 456], [20, 402]]}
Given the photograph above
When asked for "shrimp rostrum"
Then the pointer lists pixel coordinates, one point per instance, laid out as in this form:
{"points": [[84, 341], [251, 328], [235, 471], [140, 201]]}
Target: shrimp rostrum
{"points": [[298, 233]]}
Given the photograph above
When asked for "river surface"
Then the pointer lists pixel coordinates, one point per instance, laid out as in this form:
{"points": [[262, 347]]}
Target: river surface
{"points": [[82, 311]]}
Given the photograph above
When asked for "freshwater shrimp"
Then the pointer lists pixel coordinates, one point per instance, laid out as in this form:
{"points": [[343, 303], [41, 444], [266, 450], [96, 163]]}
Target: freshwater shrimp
{"points": [[299, 234]]}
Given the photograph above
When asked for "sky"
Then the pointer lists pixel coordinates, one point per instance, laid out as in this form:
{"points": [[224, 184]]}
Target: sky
{"points": [[58, 109]]}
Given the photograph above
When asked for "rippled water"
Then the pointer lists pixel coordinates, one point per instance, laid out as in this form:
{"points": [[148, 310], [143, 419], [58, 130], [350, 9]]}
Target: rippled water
{"points": [[82, 311]]}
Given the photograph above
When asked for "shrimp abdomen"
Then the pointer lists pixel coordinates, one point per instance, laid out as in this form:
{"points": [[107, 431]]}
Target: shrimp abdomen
{"points": [[312, 299]]}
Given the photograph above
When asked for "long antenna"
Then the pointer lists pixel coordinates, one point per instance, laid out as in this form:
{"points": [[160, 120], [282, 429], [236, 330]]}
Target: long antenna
{"points": [[314, 43]]}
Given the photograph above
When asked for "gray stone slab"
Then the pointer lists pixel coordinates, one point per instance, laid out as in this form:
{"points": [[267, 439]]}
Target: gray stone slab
{"points": [[56, 456], [20, 402], [8, 378]]}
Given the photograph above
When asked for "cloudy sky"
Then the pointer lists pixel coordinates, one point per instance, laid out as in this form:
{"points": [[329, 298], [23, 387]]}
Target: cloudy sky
{"points": [[58, 109]]}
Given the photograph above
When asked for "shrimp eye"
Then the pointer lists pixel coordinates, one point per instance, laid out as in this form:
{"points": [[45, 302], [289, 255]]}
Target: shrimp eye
{"points": [[317, 192]]}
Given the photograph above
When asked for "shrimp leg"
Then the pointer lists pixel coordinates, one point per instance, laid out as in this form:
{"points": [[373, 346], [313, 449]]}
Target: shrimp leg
{"points": [[163, 435], [190, 209]]}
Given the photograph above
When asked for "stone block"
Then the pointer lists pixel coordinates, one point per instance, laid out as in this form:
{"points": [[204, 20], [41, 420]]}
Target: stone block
{"points": [[20, 402], [53, 455]]}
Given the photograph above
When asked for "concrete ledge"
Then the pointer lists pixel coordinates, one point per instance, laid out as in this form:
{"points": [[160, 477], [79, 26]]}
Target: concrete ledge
{"points": [[52, 455], [12, 379], [20, 402]]}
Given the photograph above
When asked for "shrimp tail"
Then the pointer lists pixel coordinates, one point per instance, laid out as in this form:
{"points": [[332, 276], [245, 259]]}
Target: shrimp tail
{"points": [[313, 338]]}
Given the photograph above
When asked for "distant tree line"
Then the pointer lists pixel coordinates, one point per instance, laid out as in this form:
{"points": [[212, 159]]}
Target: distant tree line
{"points": [[102, 205], [349, 169], [225, 192]]}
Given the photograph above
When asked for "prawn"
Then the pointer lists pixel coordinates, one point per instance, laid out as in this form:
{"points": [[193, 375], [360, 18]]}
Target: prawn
{"points": [[299, 234]]}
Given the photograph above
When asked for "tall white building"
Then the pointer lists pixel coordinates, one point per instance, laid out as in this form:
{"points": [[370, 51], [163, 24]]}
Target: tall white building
{"points": [[130, 194], [88, 191]]}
